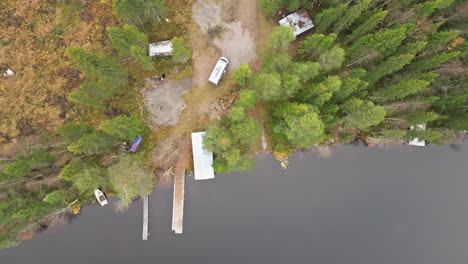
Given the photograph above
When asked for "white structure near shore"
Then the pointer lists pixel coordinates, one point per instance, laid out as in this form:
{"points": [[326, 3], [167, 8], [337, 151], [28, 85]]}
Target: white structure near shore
{"points": [[300, 21], [202, 159], [416, 141]]}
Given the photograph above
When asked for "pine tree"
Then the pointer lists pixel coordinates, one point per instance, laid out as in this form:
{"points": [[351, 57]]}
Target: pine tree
{"points": [[236, 114], [129, 179], [362, 114], [332, 59], [280, 39], [442, 38], [141, 55], [384, 42], [242, 75], [387, 67], [97, 89], [411, 48], [74, 131], [427, 8], [433, 62], [369, 25], [93, 144], [350, 16], [122, 39], [327, 17], [416, 118], [246, 131], [123, 127], [299, 124], [270, 7], [85, 176], [402, 89], [268, 86], [306, 71], [247, 99], [100, 67], [139, 12], [18, 168], [180, 54], [82, 98], [315, 44]]}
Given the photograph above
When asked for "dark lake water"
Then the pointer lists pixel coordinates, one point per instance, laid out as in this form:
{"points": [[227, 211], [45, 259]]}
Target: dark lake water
{"points": [[398, 206]]}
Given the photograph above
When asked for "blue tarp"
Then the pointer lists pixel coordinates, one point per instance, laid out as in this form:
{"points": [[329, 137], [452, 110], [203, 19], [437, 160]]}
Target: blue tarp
{"points": [[135, 144]]}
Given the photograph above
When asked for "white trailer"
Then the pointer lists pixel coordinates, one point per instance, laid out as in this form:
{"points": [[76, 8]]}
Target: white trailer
{"points": [[218, 71]]}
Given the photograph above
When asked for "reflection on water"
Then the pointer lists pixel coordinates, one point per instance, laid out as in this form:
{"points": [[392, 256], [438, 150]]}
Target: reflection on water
{"points": [[358, 206]]}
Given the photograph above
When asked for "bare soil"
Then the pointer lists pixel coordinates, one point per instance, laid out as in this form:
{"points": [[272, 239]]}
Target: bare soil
{"points": [[226, 28], [163, 100]]}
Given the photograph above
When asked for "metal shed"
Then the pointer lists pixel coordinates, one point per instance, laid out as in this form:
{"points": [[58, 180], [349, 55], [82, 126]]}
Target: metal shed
{"points": [[300, 21], [160, 49], [202, 159]]}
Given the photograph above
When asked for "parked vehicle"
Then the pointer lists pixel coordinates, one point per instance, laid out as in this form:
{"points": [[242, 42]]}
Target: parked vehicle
{"points": [[218, 71], [100, 197]]}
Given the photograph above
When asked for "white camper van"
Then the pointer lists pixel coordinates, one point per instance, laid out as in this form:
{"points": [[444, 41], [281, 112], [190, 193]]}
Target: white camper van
{"points": [[218, 71]]}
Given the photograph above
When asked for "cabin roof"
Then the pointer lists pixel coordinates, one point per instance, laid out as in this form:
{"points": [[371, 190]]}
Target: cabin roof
{"points": [[202, 158], [160, 49], [300, 21]]}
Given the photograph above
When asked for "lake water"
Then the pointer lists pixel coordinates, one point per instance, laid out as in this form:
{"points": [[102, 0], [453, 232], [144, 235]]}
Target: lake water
{"points": [[398, 206]]}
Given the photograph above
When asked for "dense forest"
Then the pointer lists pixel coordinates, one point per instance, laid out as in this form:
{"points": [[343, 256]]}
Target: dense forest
{"points": [[369, 68], [73, 103]]}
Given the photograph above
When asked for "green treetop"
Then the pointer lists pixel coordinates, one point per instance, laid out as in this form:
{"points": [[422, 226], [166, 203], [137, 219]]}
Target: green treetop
{"points": [[180, 54], [122, 39], [139, 12], [314, 45], [247, 99], [92, 144], [18, 168], [299, 123], [97, 66], [368, 25], [268, 86], [85, 176], [123, 127], [332, 59], [327, 17], [129, 179], [389, 66], [402, 89], [280, 38], [242, 75], [350, 16], [362, 114]]}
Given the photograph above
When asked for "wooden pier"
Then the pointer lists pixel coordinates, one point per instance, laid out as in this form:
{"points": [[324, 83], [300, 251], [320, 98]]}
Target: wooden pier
{"points": [[179, 191], [178, 202], [145, 217]]}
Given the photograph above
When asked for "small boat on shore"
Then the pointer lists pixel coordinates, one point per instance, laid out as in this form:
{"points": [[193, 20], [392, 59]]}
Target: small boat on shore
{"points": [[100, 197]]}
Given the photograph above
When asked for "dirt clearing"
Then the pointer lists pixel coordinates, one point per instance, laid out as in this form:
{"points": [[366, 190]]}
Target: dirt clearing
{"points": [[227, 28], [163, 100]]}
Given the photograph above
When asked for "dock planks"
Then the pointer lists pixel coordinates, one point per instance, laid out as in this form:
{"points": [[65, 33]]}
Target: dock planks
{"points": [[145, 217]]}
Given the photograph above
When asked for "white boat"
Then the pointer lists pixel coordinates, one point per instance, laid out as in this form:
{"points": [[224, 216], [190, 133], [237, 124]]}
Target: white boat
{"points": [[100, 197]]}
